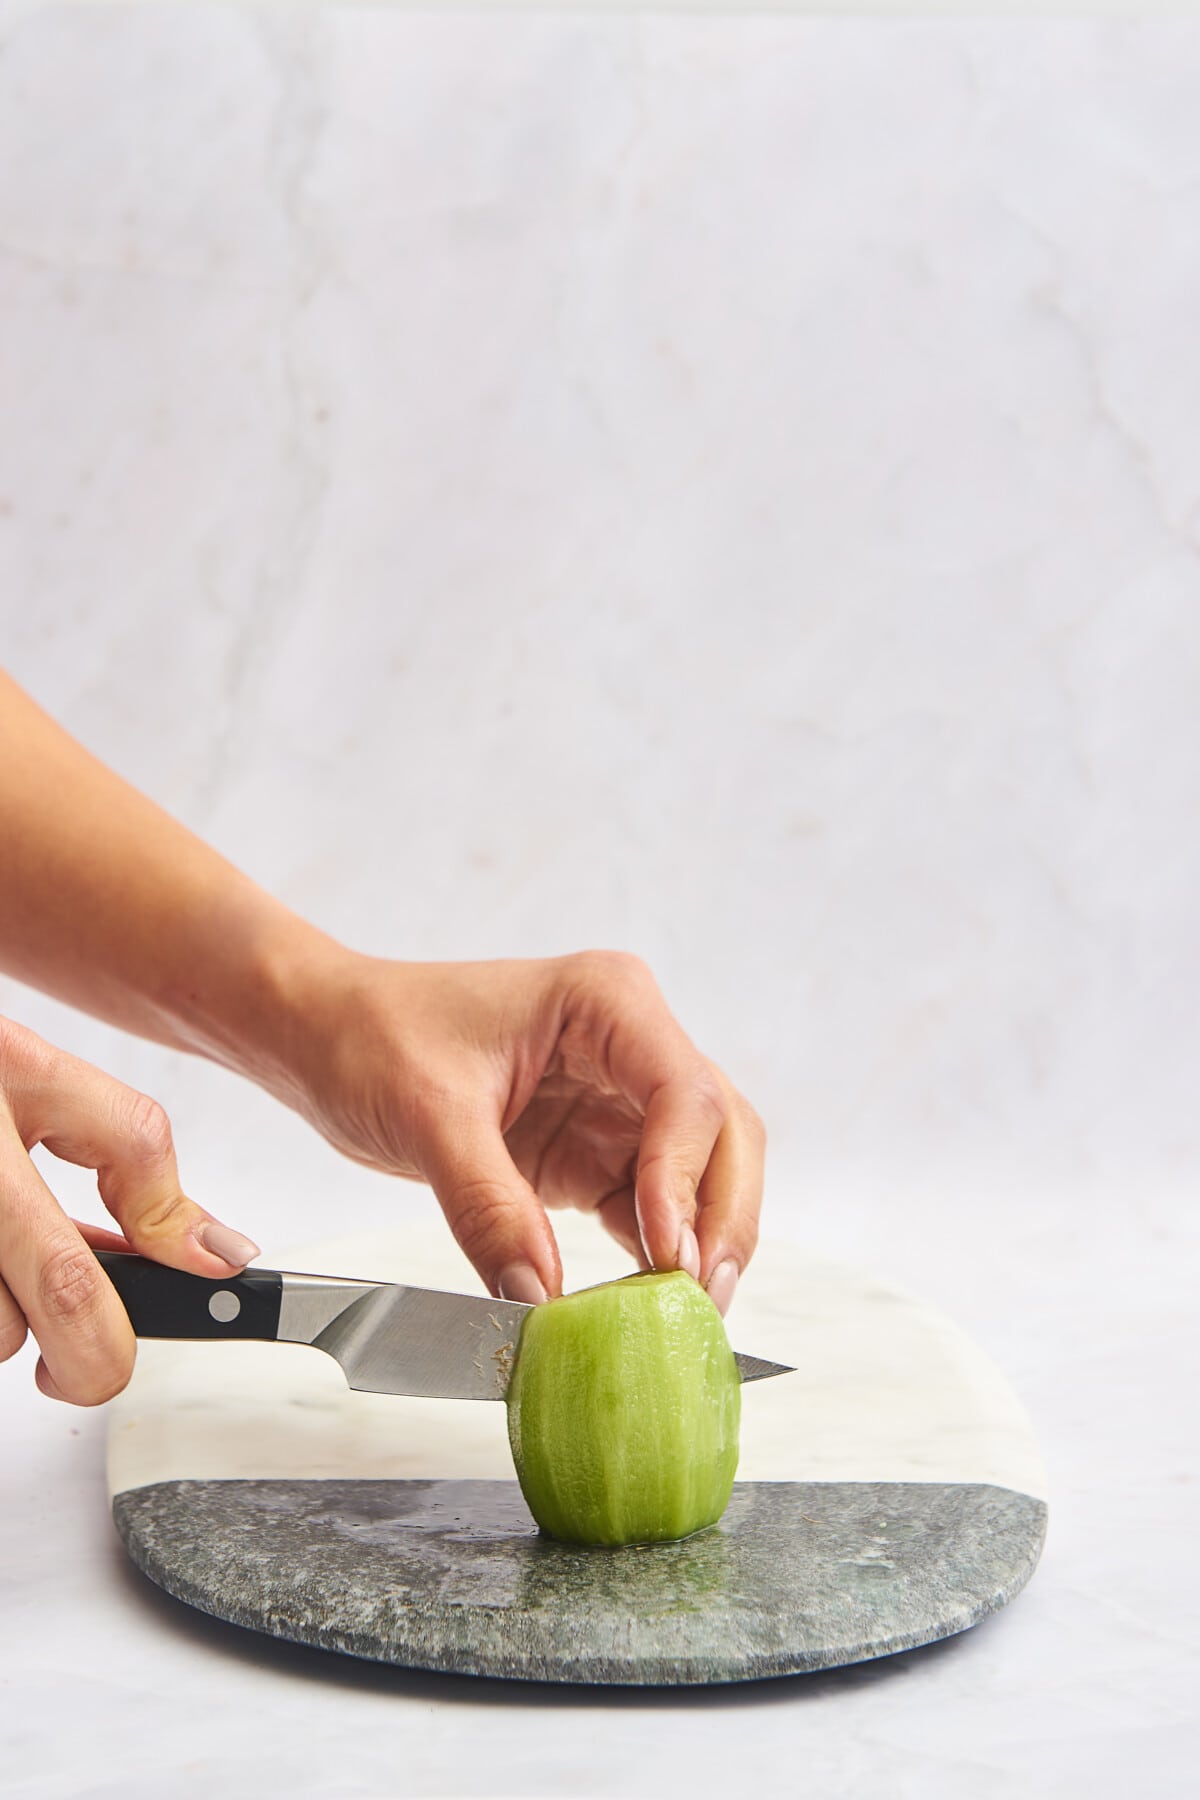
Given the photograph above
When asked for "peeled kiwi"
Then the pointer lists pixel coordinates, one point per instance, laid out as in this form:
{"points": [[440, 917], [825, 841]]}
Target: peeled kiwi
{"points": [[623, 1412]]}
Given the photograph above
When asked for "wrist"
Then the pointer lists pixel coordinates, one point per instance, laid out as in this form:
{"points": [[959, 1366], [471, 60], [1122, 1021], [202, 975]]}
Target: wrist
{"points": [[256, 1007]]}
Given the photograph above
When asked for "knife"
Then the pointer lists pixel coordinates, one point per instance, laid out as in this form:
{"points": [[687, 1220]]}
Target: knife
{"points": [[388, 1339]]}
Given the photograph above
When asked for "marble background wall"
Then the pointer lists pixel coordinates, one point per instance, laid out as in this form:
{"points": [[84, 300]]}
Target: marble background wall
{"points": [[727, 488]]}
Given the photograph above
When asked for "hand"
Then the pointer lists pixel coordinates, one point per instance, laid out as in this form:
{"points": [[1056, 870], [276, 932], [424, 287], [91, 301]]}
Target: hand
{"points": [[50, 1283], [515, 1086]]}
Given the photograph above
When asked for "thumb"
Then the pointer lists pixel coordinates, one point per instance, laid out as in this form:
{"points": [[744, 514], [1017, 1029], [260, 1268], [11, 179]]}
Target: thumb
{"points": [[493, 1212]]}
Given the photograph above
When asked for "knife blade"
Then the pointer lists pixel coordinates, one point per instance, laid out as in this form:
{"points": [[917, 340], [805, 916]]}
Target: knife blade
{"points": [[388, 1338]]}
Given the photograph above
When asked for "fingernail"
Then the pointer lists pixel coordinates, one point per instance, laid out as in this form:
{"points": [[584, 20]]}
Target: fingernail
{"points": [[229, 1245], [520, 1282], [722, 1284], [688, 1254], [641, 1226]]}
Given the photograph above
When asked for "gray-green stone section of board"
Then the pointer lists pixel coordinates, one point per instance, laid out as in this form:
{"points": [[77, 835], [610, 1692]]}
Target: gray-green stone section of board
{"points": [[454, 1576]]}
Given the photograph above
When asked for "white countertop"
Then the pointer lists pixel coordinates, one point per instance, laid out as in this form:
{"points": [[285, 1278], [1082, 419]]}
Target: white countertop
{"points": [[722, 487]]}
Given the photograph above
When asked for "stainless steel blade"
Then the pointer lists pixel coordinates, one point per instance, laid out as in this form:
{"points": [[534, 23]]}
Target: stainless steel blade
{"points": [[408, 1340], [757, 1368]]}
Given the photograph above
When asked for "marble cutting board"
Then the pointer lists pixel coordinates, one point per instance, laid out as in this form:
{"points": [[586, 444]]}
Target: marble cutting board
{"points": [[890, 1493]]}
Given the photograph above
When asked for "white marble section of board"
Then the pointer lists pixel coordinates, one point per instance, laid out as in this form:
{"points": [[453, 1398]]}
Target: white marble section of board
{"points": [[886, 1388]]}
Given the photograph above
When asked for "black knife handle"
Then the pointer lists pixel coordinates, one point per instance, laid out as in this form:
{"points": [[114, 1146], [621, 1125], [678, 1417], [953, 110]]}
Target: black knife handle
{"points": [[166, 1303]]}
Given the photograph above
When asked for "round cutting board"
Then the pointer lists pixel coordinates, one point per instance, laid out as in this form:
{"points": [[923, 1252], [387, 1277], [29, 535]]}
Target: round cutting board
{"points": [[889, 1493]]}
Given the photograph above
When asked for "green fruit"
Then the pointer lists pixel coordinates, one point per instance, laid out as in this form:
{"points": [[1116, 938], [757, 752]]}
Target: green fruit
{"points": [[623, 1412]]}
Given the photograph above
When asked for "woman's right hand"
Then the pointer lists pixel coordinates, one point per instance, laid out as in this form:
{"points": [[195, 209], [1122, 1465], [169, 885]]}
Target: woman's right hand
{"points": [[50, 1283]]}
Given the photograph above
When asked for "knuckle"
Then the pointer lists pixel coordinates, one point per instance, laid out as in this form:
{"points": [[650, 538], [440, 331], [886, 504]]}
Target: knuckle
{"points": [[12, 1039], [70, 1285], [434, 1111], [163, 1217], [433, 1101], [619, 968], [660, 1173], [475, 1209], [710, 1091], [754, 1123], [148, 1130], [23, 1053]]}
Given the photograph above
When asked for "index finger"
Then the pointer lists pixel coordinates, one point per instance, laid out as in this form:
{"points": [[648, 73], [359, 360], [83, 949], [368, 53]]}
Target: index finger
{"points": [[729, 1202], [700, 1157], [683, 1103], [683, 1121], [86, 1117]]}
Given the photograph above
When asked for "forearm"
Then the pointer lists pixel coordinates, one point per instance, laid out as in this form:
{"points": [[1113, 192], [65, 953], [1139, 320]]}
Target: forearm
{"points": [[109, 904]]}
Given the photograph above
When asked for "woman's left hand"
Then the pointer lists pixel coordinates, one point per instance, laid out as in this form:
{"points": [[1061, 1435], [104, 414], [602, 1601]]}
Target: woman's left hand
{"points": [[515, 1086]]}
